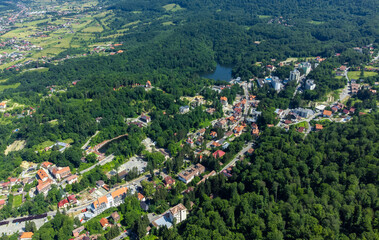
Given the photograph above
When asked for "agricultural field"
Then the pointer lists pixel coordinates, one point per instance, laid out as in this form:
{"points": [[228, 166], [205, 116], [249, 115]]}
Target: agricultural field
{"points": [[357, 74]]}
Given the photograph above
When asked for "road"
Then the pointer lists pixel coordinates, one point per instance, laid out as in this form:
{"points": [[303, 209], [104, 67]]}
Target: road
{"points": [[89, 140], [101, 163], [236, 158]]}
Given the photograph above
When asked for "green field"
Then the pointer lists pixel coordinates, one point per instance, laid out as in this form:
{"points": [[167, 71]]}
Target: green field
{"points": [[172, 7], [3, 87], [315, 22], [263, 16], [357, 74], [17, 201]]}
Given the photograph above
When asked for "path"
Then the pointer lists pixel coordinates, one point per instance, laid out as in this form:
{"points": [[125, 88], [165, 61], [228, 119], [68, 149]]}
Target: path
{"points": [[89, 140], [236, 158], [101, 163]]}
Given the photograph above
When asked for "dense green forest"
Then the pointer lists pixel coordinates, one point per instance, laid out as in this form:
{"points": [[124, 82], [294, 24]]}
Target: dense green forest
{"points": [[325, 187]]}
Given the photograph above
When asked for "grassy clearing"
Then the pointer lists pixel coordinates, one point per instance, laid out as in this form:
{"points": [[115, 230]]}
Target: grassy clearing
{"points": [[302, 124], [173, 7], [17, 201], [357, 74], [3, 87], [263, 16], [93, 29], [43, 145], [169, 23], [315, 22]]}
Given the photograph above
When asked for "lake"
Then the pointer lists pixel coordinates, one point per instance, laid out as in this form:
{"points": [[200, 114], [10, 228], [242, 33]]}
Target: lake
{"points": [[221, 73]]}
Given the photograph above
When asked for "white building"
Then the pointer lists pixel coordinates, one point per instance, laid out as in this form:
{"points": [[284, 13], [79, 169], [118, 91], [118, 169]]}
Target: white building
{"points": [[184, 109], [295, 75], [309, 85], [179, 213], [306, 67]]}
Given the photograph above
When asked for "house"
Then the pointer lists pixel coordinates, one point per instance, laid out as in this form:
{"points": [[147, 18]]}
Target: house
{"points": [[184, 109], [205, 177], [179, 213], [334, 109], [118, 196], [163, 220], [100, 205], [190, 142], [148, 84], [115, 216], [215, 144], [60, 173], [26, 236], [2, 202], [345, 111], [123, 174], [104, 223], [168, 181], [144, 206], [224, 100], [46, 165], [201, 132], [63, 203], [76, 231], [211, 110], [250, 151], [301, 129], [218, 154], [327, 113], [44, 186], [3, 105], [221, 124], [72, 199], [141, 197], [100, 183], [352, 110], [72, 179], [145, 118], [42, 175], [303, 112], [199, 140], [318, 127], [354, 88], [213, 134]]}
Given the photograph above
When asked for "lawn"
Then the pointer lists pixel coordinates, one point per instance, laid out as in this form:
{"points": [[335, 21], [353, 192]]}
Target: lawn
{"points": [[172, 7], [316, 22], [263, 16], [302, 124], [43, 145], [93, 29], [168, 23], [17, 201], [3, 87], [357, 74]]}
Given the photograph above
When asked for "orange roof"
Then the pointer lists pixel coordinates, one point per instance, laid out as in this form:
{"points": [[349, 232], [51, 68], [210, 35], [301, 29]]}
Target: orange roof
{"points": [[120, 51], [319, 127], [140, 196], [148, 83], [2, 104], [41, 185], [104, 222], [46, 164], [119, 192], [327, 113], [65, 169], [99, 201], [42, 174], [26, 235], [224, 99]]}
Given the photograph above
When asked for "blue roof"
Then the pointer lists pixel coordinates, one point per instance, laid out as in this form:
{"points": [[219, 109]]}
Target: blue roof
{"points": [[163, 221]]}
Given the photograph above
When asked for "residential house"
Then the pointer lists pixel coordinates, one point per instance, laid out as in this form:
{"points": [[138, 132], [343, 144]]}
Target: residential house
{"points": [[205, 177], [145, 118], [190, 142], [44, 186], [211, 110], [303, 112], [169, 181], [115, 216], [318, 127], [3, 105], [352, 110], [224, 100], [72, 179], [63, 203], [215, 144], [26, 236], [72, 199], [42, 175], [46, 165], [201, 132], [184, 109], [104, 223], [199, 140], [179, 213], [327, 113], [141, 197], [221, 124], [60, 173], [2, 202], [76, 231], [213, 134], [100, 183], [301, 129], [250, 151], [188, 175], [345, 111], [354, 88], [218, 154], [148, 84]]}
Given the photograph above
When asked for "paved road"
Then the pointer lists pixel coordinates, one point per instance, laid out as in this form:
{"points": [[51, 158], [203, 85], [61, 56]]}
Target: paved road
{"points": [[89, 140], [236, 158], [101, 163]]}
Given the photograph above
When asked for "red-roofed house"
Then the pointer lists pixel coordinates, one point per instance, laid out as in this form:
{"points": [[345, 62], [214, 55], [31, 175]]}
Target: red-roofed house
{"points": [[46, 164], [327, 113], [104, 222], [141, 197], [218, 154], [63, 203], [169, 181]]}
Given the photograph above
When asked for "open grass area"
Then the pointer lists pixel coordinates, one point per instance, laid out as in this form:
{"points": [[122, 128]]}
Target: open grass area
{"points": [[357, 74], [3, 87], [93, 29], [172, 7], [43, 145], [302, 124], [17, 201], [263, 16], [169, 23], [316, 22]]}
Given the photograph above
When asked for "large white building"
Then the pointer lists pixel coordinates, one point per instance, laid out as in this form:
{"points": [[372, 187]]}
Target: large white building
{"points": [[179, 212], [309, 85], [113, 199], [294, 75]]}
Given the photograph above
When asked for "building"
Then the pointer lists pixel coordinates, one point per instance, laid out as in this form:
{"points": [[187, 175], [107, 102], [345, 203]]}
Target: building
{"points": [[188, 175], [141, 197], [104, 223], [184, 109], [276, 84], [169, 181], [63, 203], [221, 124], [306, 67], [148, 84], [190, 142], [46, 165], [72, 179], [145, 118], [3, 105], [179, 213], [218, 154], [319, 127], [60, 173], [100, 205], [224, 100], [303, 112], [309, 85], [44, 186], [115, 216], [294, 75], [42, 175], [113, 199], [26, 236], [76, 231], [327, 113]]}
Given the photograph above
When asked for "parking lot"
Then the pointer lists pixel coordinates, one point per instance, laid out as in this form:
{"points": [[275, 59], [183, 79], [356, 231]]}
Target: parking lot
{"points": [[135, 161], [12, 228]]}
